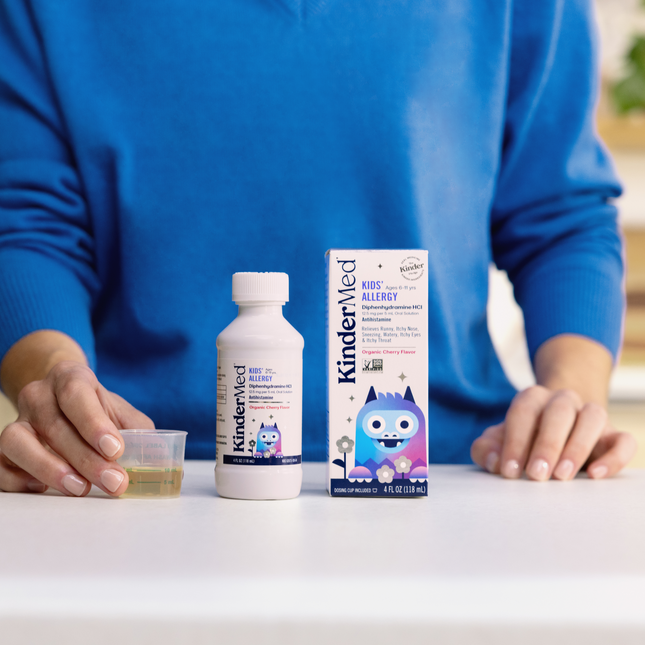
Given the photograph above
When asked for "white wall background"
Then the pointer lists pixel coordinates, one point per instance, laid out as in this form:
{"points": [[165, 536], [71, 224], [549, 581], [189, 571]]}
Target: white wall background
{"points": [[618, 21]]}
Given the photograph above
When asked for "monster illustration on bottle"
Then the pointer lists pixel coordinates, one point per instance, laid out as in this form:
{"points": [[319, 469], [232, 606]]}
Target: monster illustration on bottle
{"points": [[269, 442]]}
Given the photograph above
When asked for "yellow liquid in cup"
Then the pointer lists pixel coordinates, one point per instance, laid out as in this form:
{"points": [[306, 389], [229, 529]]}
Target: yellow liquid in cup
{"points": [[151, 482]]}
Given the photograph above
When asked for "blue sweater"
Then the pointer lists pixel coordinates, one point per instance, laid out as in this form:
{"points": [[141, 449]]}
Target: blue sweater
{"points": [[148, 150]]}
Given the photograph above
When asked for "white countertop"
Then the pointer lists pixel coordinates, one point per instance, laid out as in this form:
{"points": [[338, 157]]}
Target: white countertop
{"points": [[480, 560]]}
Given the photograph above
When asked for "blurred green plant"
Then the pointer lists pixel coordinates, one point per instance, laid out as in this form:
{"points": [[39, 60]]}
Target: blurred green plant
{"points": [[629, 93]]}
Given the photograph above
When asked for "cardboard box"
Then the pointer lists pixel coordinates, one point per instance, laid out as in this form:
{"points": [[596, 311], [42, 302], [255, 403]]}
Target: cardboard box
{"points": [[377, 373]]}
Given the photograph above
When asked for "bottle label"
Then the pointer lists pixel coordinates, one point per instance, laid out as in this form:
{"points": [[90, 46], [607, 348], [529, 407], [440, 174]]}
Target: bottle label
{"points": [[259, 412]]}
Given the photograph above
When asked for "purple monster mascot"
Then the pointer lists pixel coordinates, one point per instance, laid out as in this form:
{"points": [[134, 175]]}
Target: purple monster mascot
{"points": [[390, 432]]}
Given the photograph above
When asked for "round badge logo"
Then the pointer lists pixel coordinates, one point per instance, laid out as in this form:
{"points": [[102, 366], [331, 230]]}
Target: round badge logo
{"points": [[412, 268]]}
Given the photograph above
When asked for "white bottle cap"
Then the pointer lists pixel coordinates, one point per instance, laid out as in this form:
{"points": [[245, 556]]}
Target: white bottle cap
{"points": [[260, 287]]}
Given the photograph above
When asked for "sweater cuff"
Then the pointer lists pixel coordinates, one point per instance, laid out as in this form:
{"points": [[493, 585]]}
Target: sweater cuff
{"points": [[566, 298], [38, 292]]}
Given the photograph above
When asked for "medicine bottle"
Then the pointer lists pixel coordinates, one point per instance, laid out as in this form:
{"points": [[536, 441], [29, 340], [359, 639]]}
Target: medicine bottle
{"points": [[259, 394]]}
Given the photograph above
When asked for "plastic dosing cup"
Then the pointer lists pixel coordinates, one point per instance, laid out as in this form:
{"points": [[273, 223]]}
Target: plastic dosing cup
{"points": [[154, 462]]}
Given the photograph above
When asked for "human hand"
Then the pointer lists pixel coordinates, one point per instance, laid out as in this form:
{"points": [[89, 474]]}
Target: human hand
{"points": [[552, 433], [67, 435]]}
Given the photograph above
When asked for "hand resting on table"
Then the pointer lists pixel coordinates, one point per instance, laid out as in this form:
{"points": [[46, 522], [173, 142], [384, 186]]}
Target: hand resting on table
{"points": [[67, 432], [554, 429]]}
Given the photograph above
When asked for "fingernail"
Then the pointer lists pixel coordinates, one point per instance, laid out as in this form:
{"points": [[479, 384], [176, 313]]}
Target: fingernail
{"points": [[598, 472], [538, 470], [511, 469], [491, 462], [564, 469], [109, 445], [75, 485], [36, 487], [111, 479]]}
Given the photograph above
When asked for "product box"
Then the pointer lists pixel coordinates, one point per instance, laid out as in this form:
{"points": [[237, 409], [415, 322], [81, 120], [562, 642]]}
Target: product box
{"points": [[377, 373]]}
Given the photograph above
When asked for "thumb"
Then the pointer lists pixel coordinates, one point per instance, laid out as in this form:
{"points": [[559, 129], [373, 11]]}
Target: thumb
{"points": [[613, 452], [487, 448]]}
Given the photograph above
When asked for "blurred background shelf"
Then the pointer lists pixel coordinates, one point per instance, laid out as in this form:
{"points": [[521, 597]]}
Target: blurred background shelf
{"points": [[634, 348], [622, 133]]}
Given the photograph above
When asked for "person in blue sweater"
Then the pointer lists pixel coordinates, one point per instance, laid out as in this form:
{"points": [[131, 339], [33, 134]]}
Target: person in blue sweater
{"points": [[149, 151]]}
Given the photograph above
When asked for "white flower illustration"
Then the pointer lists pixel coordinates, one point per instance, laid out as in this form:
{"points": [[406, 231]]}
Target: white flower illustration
{"points": [[385, 475], [402, 465], [345, 444]]}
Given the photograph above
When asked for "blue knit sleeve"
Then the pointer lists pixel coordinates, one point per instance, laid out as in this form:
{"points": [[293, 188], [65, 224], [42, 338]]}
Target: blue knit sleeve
{"points": [[554, 229], [47, 280]]}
